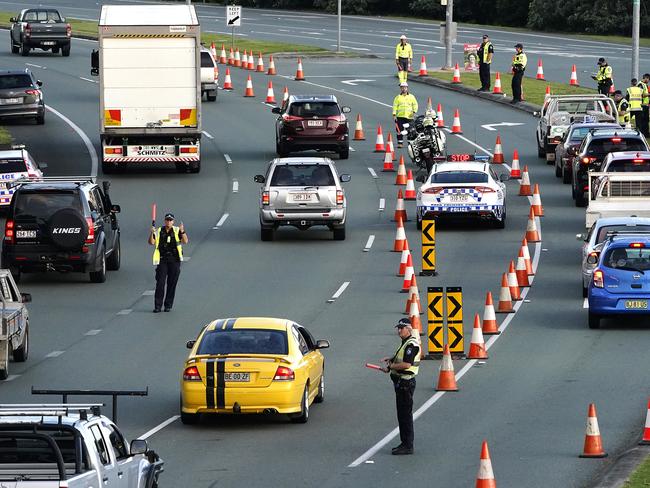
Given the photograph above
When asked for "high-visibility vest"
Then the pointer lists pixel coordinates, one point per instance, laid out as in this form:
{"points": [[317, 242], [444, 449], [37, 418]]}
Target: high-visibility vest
{"points": [[644, 93], [520, 60], [156, 250], [485, 49], [405, 106], [623, 112], [604, 73], [635, 97], [405, 51], [399, 358]]}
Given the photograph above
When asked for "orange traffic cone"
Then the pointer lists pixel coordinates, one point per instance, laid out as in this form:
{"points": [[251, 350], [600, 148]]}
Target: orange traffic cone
{"points": [[485, 476], [439, 116], [446, 377], [645, 439], [249, 88], [405, 252], [455, 127], [414, 294], [409, 273], [227, 82], [497, 158], [526, 253], [612, 88], [237, 63], [524, 184], [477, 348], [388, 162], [429, 104], [532, 235], [379, 142], [490, 326], [270, 96], [414, 317], [515, 172], [513, 284], [574, 76], [391, 147], [222, 57], [497, 84], [540, 70], [521, 271], [505, 300], [593, 447], [231, 58], [409, 193], [271, 70], [285, 95], [423, 67], [244, 60], [456, 78], [401, 172], [548, 92], [251, 62], [400, 211], [247, 62], [260, 64], [400, 237], [537, 202], [300, 75], [358, 130], [213, 51]]}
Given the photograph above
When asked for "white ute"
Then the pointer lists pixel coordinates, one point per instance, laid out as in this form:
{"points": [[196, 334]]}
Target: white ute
{"points": [[14, 329], [618, 195]]}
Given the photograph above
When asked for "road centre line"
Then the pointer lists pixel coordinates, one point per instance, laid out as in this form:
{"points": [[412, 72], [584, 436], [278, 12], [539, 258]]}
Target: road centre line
{"points": [[54, 354], [93, 332], [12, 377], [222, 220], [34, 65], [227, 158], [125, 311], [339, 292], [88, 80], [159, 427], [235, 186], [371, 239], [382, 204], [207, 134], [372, 173], [148, 293]]}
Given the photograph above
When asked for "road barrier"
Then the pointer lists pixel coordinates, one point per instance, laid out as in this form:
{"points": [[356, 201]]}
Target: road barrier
{"points": [[593, 447], [428, 248], [445, 319]]}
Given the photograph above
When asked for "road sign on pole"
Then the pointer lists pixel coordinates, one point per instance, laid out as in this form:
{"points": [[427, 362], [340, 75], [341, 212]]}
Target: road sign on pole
{"points": [[428, 248], [233, 15]]}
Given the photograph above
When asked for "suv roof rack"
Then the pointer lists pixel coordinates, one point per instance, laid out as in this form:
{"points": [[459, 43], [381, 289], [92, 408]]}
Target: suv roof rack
{"points": [[627, 233], [49, 409], [52, 179]]}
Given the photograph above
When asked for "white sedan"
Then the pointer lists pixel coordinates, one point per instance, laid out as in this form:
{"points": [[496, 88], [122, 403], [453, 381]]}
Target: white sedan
{"points": [[460, 190]]}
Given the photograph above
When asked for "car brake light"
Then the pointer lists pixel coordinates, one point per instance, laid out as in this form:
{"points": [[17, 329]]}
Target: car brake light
{"points": [[616, 139], [185, 150], [433, 191], [91, 231], [216, 73], [9, 231], [28, 30], [599, 278], [339, 197], [484, 189], [638, 161], [113, 150], [637, 245], [191, 374], [266, 198], [284, 374], [289, 118], [68, 30], [34, 93]]}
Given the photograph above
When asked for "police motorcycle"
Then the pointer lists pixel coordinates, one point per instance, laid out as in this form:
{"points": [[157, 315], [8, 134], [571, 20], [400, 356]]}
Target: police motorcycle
{"points": [[426, 143]]}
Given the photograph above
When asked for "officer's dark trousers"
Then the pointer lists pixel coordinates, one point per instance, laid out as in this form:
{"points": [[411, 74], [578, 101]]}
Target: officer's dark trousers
{"points": [[484, 74], [603, 88], [642, 121], [399, 127], [404, 390], [516, 85], [167, 273]]}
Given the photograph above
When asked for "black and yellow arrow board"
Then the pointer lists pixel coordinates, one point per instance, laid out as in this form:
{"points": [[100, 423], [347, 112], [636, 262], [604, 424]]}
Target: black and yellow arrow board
{"points": [[445, 319], [428, 248]]}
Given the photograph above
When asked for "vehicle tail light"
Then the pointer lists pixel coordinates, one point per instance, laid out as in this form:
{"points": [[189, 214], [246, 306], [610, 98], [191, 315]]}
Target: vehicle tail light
{"points": [[284, 374], [113, 150], [432, 191], [266, 198], [484, 189], [68, 30], [33, 92], [587, 160], [191, 374], [91, 231], [28, 30], [637, 245], [339, 197], [9, 231], [216, 73], [556, 139], [599, 278], [290, 118], [191, 149], [616, 139], [638, 161]]}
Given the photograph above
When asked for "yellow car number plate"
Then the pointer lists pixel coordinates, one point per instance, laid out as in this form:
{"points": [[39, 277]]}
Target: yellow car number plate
{"points": [[636, 304], [237, 377]]}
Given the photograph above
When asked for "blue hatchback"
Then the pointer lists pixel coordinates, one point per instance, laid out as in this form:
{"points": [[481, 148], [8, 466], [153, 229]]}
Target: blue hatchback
{"points": [[620, 285]]}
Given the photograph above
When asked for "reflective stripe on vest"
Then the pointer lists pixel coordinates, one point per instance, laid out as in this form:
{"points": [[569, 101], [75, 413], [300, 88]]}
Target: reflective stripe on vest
{"points": [[636, 96], [405, 106], [156, 250], [604, 73], [520, 59], [399, 358]]}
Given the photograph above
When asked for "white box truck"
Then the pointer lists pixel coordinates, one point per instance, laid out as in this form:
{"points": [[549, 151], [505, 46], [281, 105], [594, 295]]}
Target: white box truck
{"points": [[149, 68]]}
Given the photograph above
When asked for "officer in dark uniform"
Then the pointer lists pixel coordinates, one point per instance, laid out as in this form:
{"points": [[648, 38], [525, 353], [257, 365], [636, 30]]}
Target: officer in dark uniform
{"points": [[485, 53], [168, 243], [519, 61], [403, 367]]}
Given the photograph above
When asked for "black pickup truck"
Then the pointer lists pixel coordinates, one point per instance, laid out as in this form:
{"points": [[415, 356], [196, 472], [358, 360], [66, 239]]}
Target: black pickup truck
{"points": [[41, 28]]}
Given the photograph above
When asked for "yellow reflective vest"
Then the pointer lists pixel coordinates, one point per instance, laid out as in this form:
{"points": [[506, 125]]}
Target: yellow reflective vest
{"points": [[623, 112], [635, 97], [519, 61], [485, 56], [399, 358], [156, 250], [405, 106], [644, 93], [604, 73], [405, 51]]}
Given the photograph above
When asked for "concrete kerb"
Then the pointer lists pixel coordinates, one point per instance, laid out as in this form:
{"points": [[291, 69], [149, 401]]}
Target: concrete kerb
{"points": [[623, 467]]}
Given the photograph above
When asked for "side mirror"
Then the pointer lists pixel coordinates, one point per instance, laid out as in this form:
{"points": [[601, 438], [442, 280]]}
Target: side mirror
{"points": [[259, 179], [116, 208], [276, 110], [26, 297], [581, 237], [190, 344], [138, 446], [322, 344], [592, 258], [13, 19], [39, 82], [346, 109], [345, 178], [420, 178]]}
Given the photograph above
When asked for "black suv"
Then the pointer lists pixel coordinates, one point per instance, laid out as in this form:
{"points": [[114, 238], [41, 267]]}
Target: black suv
{"points": [[62, 224], [595, 146]]}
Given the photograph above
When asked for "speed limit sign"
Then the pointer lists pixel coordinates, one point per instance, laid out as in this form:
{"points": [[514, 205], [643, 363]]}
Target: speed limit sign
{"points": [[233, 15]]}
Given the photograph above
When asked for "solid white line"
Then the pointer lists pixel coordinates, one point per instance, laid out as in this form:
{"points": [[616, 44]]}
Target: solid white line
{"points": [[93, 332], [207, 134], [221, 221], [585, 303], [382, 204], [12, 377], [94, 160], [235, 186], [371, 239], [88, 79], [227, 158], [339, 292], [125, 311], [148, 293], [159, 427], [54, 354], [34, 65], [372, 173], [352, 149]]}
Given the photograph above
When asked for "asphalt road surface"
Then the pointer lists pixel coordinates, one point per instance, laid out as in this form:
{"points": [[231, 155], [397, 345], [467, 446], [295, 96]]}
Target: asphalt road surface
{"points": [[529, 400]]}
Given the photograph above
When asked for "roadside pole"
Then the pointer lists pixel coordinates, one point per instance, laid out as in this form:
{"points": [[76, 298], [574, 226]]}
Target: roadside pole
{"points": [[338, 38], [636, 14], [449, 18]]}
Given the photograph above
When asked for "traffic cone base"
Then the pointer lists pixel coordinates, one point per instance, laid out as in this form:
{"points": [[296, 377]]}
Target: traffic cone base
{"points": [[532, 235], [538, 210], [446, 377], [388, 162], [400, 237], [593, 447], [505, 299]]}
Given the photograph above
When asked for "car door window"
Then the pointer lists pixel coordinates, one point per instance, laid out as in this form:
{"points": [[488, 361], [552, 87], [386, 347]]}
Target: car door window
{"points": [[302, 344], [7, 291], [117, 441], [100, 444], [309, 340], [98, 201]]}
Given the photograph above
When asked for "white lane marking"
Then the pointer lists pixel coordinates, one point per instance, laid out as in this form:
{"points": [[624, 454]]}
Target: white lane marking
{"points": [[227, 158], [235, 186], [148, 293], [339, 292], [221, 221], [125, 311], [207, 134], [54, 354], [352, 149], [94, 160], [34, 65], [372, 173], [371, 239], [382, 204], [12, 377], [159, 427], [585, 303], [93, 332], [186, 258], [88, 80]]}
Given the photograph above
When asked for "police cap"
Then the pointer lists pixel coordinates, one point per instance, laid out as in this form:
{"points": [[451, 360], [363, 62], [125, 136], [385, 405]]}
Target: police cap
{"points": [[601, 60], [485, 36], [519, 45], [169, 216], [401, 323], [618, 92]]}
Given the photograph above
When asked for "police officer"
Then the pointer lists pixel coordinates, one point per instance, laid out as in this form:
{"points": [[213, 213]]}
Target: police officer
{"points": [[634, 95], [622, 106], [603, 77], [519, 61], [403, 58], [642, 122], [485, 52], [403, 368], [405, 106], [168, 243]]}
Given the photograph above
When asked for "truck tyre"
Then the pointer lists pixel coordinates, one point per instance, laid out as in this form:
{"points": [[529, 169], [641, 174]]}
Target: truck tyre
{"points": [[99, 276], [188, 418], [541, 152], [20, 354], [581, 201], [211, 95], [108, 168], [65, 50], [558, 169], [195, 166], [113, 261], [4, 353], [14, 48], [566, 177], [24, 49]]}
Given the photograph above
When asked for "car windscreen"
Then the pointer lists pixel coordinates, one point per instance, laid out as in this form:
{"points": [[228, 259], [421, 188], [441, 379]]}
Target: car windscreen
{"points": [[602, 232], [206, 60], [577, 107], [8, 82], [43, 204], [302, 175], [13, 165], [601, 147], [579, 133], [244, 341], [629, 166], [459, 177], [49, 16], [314, 109], [628, 258]]}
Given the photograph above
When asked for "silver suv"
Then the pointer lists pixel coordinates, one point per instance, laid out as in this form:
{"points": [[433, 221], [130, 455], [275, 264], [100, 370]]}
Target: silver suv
{"points": [[302, 192]]}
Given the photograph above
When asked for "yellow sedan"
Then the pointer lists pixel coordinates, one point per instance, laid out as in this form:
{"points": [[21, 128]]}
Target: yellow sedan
{"points": [[253, 365]]}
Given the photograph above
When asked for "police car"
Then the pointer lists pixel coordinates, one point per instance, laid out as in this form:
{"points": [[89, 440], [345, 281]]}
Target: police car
{"points": [[15, 163], [463, 189]]}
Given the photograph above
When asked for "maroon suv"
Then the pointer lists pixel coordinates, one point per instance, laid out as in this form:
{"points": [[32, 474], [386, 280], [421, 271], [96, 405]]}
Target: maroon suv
{"points": [[312, 122]]}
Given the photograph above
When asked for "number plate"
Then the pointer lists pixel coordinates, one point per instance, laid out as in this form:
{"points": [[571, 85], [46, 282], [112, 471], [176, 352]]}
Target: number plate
{"points": [[11, 101], [301, 197], [636, 304], [48, 43], [459, 197], [237, 377], [25, 234], [314, 123]]}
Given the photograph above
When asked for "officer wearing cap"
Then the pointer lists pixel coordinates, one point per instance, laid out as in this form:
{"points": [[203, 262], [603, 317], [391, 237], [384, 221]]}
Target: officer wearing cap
{"points": [[403, 58], [485, 52], [603, 77], [519, 61], [403, 368], [405, 106], [168, 243], [623, 108]]}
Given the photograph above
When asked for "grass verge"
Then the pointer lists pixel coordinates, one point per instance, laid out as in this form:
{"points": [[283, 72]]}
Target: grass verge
{"points": [[5, 137], [534, 90], [641, 477]]}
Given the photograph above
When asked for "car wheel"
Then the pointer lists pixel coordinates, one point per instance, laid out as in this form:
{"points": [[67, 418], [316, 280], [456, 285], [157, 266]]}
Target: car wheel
{"points": [[320, 396], [65, 50], [345, 154], [195, 167], [281, 150], [303, 416], [501, 223], [14, 48], [20, 355], [566, 177], [581, 201], [188, 418], [267, 234], [211, 95], [541, 152], [418, 223], [339, 233], [99, 276], [585, 291], [558, 170], [113, 261], [594, 321], [24, 50], [40, 119]]}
